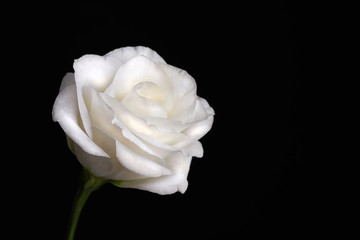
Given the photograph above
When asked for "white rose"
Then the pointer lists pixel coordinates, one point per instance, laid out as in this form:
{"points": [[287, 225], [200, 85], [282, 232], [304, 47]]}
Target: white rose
{"points": [[133, 118]]}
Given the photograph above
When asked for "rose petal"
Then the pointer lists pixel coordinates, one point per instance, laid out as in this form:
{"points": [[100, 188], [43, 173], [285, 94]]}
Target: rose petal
{"points": [[68, 79], [96, 72], [65, 111], [149, 91], [177, 181], [142, 106], [203, 121], [165, 124], [183, 107], [98, 165], [99, 113], [128, 136], [108, 143], [125, 53], [180, 80], [139, 127], [136, 70], [194, 149], [197, 129], [136, 162], [191, 109]]}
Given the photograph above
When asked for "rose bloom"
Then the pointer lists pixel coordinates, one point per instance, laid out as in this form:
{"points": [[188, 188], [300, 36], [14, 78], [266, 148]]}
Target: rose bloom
{"points": [[132, 118]]}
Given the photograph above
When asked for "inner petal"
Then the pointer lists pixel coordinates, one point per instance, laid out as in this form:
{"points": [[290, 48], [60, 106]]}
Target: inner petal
{"points": [[136, 70], [143, 106], [150, 90], [139, 126]]}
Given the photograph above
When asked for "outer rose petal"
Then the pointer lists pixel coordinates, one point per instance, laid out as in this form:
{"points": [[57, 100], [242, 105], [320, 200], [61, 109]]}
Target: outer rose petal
{"points": [[199, 128], [135, 162], [96, 72], [68, 79], [180, 80], [118, 171], [180, 166], [125, 53], [97, 165], [65, 111]]}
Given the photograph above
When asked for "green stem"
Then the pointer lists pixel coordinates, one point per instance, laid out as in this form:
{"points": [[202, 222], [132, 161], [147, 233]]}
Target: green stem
{"points": [[88, 184]]}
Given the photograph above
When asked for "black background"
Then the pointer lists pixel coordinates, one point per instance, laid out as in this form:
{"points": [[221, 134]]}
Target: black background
{"points": [[247, 61]]}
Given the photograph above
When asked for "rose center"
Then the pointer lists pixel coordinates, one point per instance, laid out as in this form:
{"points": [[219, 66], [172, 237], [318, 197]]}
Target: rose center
{"points": [[150, 91]]}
